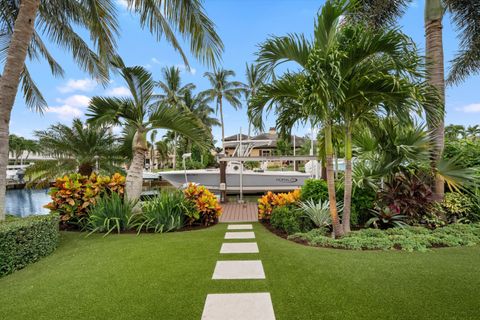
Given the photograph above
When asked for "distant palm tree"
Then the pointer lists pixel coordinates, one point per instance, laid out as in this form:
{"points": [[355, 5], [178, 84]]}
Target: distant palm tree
{"points": [[24, 23], [77, 149], [19, 145], [222, 88], [152, 145], [473, 131], [465, 15], [255, 78], [173, 93], [142, 112]]}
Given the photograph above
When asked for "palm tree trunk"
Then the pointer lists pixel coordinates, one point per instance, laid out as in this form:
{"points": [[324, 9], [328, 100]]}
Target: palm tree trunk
{"points": [[175, 151], [10, 79], [134, 181], [436, 77], [220, 108], [337, 228], [347, 195]]}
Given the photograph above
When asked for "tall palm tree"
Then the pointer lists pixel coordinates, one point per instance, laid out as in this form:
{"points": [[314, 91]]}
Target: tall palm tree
{"points": [[255, 79], [349, 73], [464, 15], [24, 23], [18, 146], [142, 112], [76, 149], [152, 145], [173, 94], [198, 105], [222, 88]]}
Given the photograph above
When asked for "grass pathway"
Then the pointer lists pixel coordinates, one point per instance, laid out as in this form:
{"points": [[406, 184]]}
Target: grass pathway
{"points": [[169, 276]]}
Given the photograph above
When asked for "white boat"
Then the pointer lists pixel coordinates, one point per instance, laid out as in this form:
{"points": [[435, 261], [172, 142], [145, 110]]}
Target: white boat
{"points": [[252, 181], [16, 173]]}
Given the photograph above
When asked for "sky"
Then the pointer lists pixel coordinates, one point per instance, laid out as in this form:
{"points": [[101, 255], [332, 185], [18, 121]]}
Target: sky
{"points": [[242, 25]]}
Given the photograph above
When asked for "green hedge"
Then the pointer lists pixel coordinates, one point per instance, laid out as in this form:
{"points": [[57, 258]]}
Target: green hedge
{"points": [[24, 241]]}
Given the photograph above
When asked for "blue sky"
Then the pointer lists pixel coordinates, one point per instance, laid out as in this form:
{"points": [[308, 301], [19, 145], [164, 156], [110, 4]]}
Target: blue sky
{"points": [[242, 25]]}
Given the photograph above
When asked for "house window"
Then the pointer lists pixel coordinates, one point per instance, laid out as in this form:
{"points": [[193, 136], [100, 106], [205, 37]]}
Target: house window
{"points": [[266, 153]]}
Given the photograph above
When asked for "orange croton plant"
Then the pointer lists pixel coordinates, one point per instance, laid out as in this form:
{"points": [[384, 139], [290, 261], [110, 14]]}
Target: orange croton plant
{"points": [[271, 200], [72, 195], [206, 204]]}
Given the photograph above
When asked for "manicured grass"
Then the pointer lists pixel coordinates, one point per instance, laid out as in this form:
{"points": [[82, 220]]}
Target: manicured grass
{"points": [[168, 277]]}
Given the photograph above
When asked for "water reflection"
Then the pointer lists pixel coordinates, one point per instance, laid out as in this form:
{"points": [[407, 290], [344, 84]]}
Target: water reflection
{"points": [[25, 202]]}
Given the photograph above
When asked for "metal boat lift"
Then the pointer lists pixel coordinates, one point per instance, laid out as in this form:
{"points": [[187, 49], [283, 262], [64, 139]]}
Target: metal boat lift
{"points": [[223, 160]]}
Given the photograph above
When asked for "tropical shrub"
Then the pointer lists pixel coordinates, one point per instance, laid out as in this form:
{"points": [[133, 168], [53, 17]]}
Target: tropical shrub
{"points": [[271, 200], [26, 240], [387, 217], [109, 213], [408, 193], [73, 195], [407, 239], [163, 213], [315, 190], [363, 199], [317, 212], [207, 209], [458, 207], [290, 220]]}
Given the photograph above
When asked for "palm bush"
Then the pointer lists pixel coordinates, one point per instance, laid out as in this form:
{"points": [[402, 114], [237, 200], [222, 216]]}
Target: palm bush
{"points": [[318, 212], [164, 213], [110, 213]]}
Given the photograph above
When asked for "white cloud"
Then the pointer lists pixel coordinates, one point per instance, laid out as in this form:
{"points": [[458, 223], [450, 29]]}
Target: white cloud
{"points": [[471, 108], [122, 3], [65, 112], [72, 85], [184, 68], [156, 61], [118, 91], [76, 101]]}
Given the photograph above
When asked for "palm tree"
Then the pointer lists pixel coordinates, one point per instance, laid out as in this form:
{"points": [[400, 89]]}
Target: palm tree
{"points": [[465, 16], [19, 145], [24, 23], [173, 94], [152, 145], [76, 149], [222, 88], [142, 112], [349, 74], [255, 79]]}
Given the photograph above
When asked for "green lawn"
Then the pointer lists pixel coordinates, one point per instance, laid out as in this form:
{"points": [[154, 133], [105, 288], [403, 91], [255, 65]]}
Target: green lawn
{"points": [[168, 277]]}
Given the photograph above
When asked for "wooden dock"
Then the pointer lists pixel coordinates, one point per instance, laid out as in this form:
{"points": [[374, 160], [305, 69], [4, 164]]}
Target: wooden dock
{"points": [[236, 212]]}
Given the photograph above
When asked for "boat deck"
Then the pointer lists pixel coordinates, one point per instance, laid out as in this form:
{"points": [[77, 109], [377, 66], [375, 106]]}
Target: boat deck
{"points": [[236, 212]]}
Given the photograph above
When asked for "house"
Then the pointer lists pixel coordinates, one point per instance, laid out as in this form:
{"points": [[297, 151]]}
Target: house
{"points": [[262, 145]]}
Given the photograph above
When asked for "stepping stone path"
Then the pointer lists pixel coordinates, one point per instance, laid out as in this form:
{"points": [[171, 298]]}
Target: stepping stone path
{"points": [[240, 235], [239, 247], [239, 306]]}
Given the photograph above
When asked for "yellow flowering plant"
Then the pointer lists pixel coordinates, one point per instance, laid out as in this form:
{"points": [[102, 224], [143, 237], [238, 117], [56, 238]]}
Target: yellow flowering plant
{"points": [[271, 200]]}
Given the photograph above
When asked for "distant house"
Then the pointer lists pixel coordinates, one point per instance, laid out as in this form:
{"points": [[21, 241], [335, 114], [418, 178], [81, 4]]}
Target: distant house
{"points": [[264, 144]]}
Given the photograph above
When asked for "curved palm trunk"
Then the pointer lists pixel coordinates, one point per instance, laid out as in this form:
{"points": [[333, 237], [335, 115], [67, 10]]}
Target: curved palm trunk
{"points": [[10, 79], [347, 195], [436, 77], [337, 228], [134, 181]]}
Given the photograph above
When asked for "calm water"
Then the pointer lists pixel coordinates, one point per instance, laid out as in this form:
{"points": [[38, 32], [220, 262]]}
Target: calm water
{"points": [[25, 202]]}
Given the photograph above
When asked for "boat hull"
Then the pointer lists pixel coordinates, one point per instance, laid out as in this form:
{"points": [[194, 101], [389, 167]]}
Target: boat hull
{"points": [[253, 182]]}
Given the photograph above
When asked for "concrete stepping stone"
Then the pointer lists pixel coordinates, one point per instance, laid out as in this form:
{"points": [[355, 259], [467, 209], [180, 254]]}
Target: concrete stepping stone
{"points": [[238, 269], [240, 235], [239, 247], [239, 227], [238, 306]]}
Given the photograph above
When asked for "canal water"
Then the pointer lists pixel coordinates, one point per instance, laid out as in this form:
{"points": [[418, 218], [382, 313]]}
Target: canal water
{"points": [[26, 202]]}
